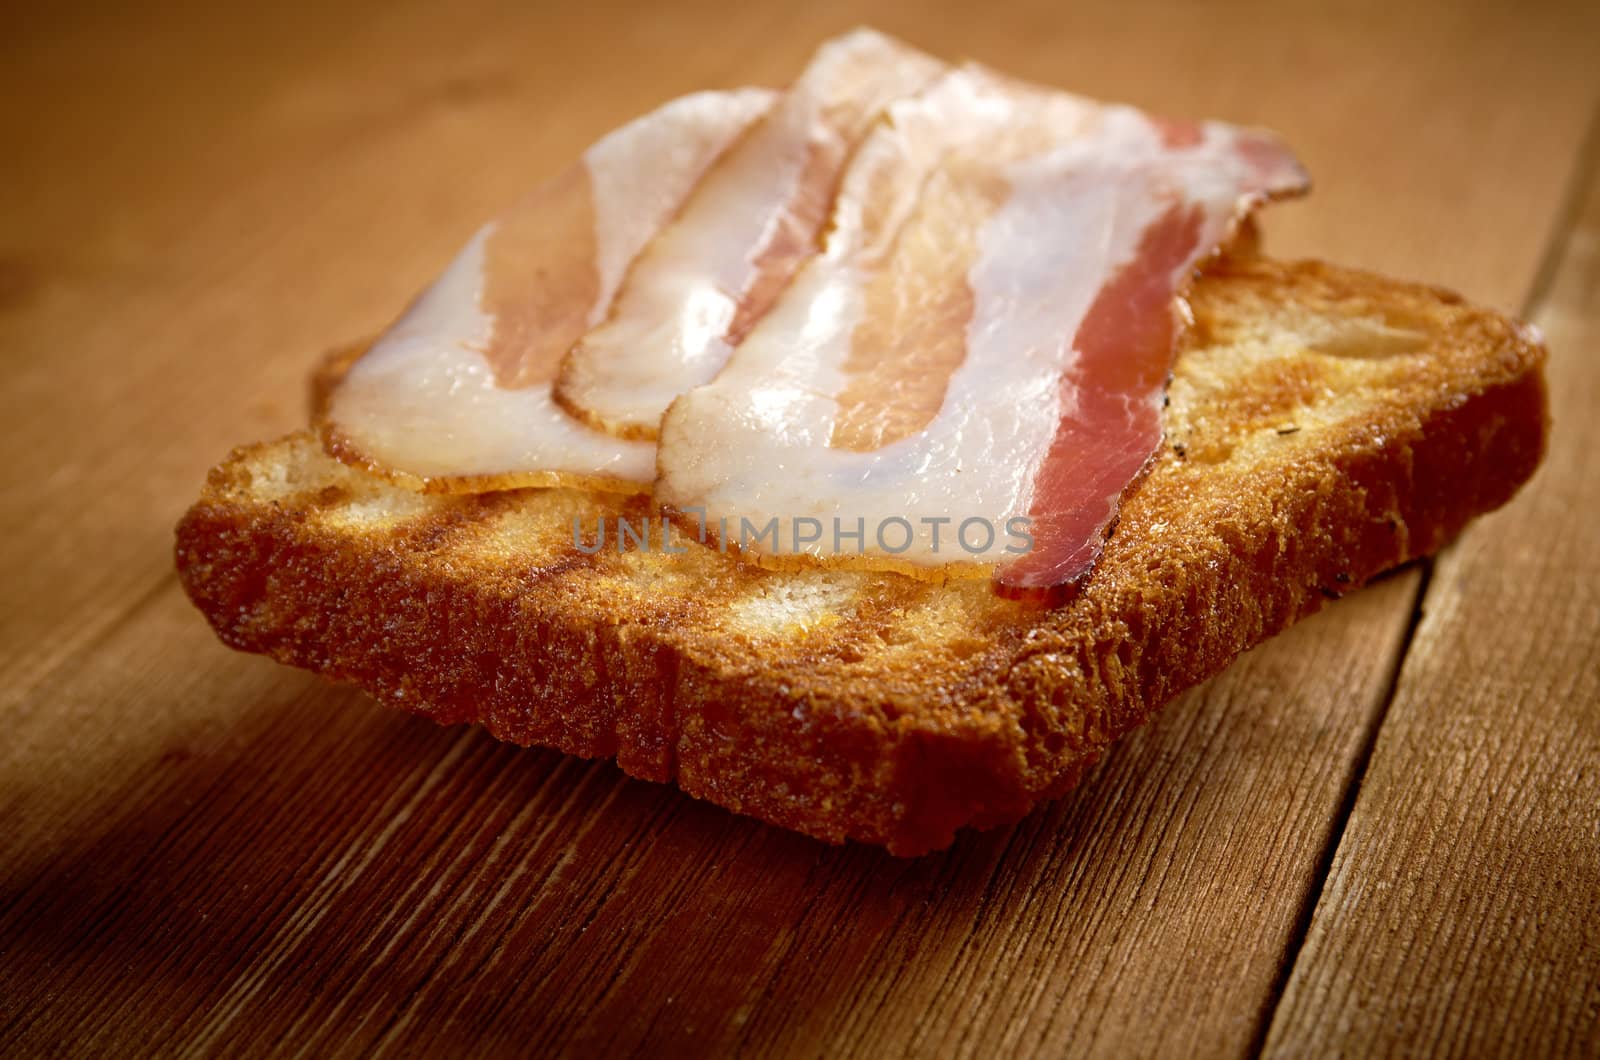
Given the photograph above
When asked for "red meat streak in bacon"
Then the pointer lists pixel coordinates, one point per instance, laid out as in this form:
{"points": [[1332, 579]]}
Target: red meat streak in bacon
{"points": [[1125, 346]]}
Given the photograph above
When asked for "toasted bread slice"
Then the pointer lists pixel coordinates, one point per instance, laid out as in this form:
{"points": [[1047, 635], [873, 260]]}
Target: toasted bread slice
{"points": [[1324, 425]]}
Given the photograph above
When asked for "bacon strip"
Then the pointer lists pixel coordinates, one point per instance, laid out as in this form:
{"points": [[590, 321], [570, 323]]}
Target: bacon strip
{"points": [[456, 395], [1125, 344], [1052, 235], [711, 274]]}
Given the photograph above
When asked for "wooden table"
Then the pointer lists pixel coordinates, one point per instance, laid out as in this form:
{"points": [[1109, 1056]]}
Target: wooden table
{"points": [[1380, 831]]}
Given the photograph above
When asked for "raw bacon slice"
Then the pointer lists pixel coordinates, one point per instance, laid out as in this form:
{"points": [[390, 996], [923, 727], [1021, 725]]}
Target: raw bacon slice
{"points": [[995, 349], [712, 273], [1199, 190], [456, 395]]}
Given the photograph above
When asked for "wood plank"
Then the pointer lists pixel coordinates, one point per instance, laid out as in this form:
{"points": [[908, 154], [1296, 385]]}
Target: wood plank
{"points": [[230, 857], [1462, 914], [204, 851]]}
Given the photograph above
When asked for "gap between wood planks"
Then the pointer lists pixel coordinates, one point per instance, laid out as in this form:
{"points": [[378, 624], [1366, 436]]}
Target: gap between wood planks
{"points": [[1585, 170]]}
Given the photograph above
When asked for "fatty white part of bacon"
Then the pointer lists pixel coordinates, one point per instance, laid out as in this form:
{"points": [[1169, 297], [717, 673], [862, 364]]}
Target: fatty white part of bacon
{"points": [[669, 329], [424, 400], [753, 445]]}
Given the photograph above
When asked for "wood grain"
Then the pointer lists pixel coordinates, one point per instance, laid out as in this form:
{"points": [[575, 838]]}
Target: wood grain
{"points": [[287, 861], [1462, 914], [204, 853]]}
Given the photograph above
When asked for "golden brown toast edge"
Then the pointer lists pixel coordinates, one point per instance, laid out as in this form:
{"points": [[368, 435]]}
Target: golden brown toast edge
{"points": [[1324, 426]]}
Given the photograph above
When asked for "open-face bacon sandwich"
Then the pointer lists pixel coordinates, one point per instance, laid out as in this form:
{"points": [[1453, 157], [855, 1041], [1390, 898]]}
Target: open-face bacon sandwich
{"points": [[864, 456]]}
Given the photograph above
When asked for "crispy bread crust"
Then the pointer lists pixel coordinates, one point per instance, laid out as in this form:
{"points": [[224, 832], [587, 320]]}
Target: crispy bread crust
{"points": [[1325, 425]]}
